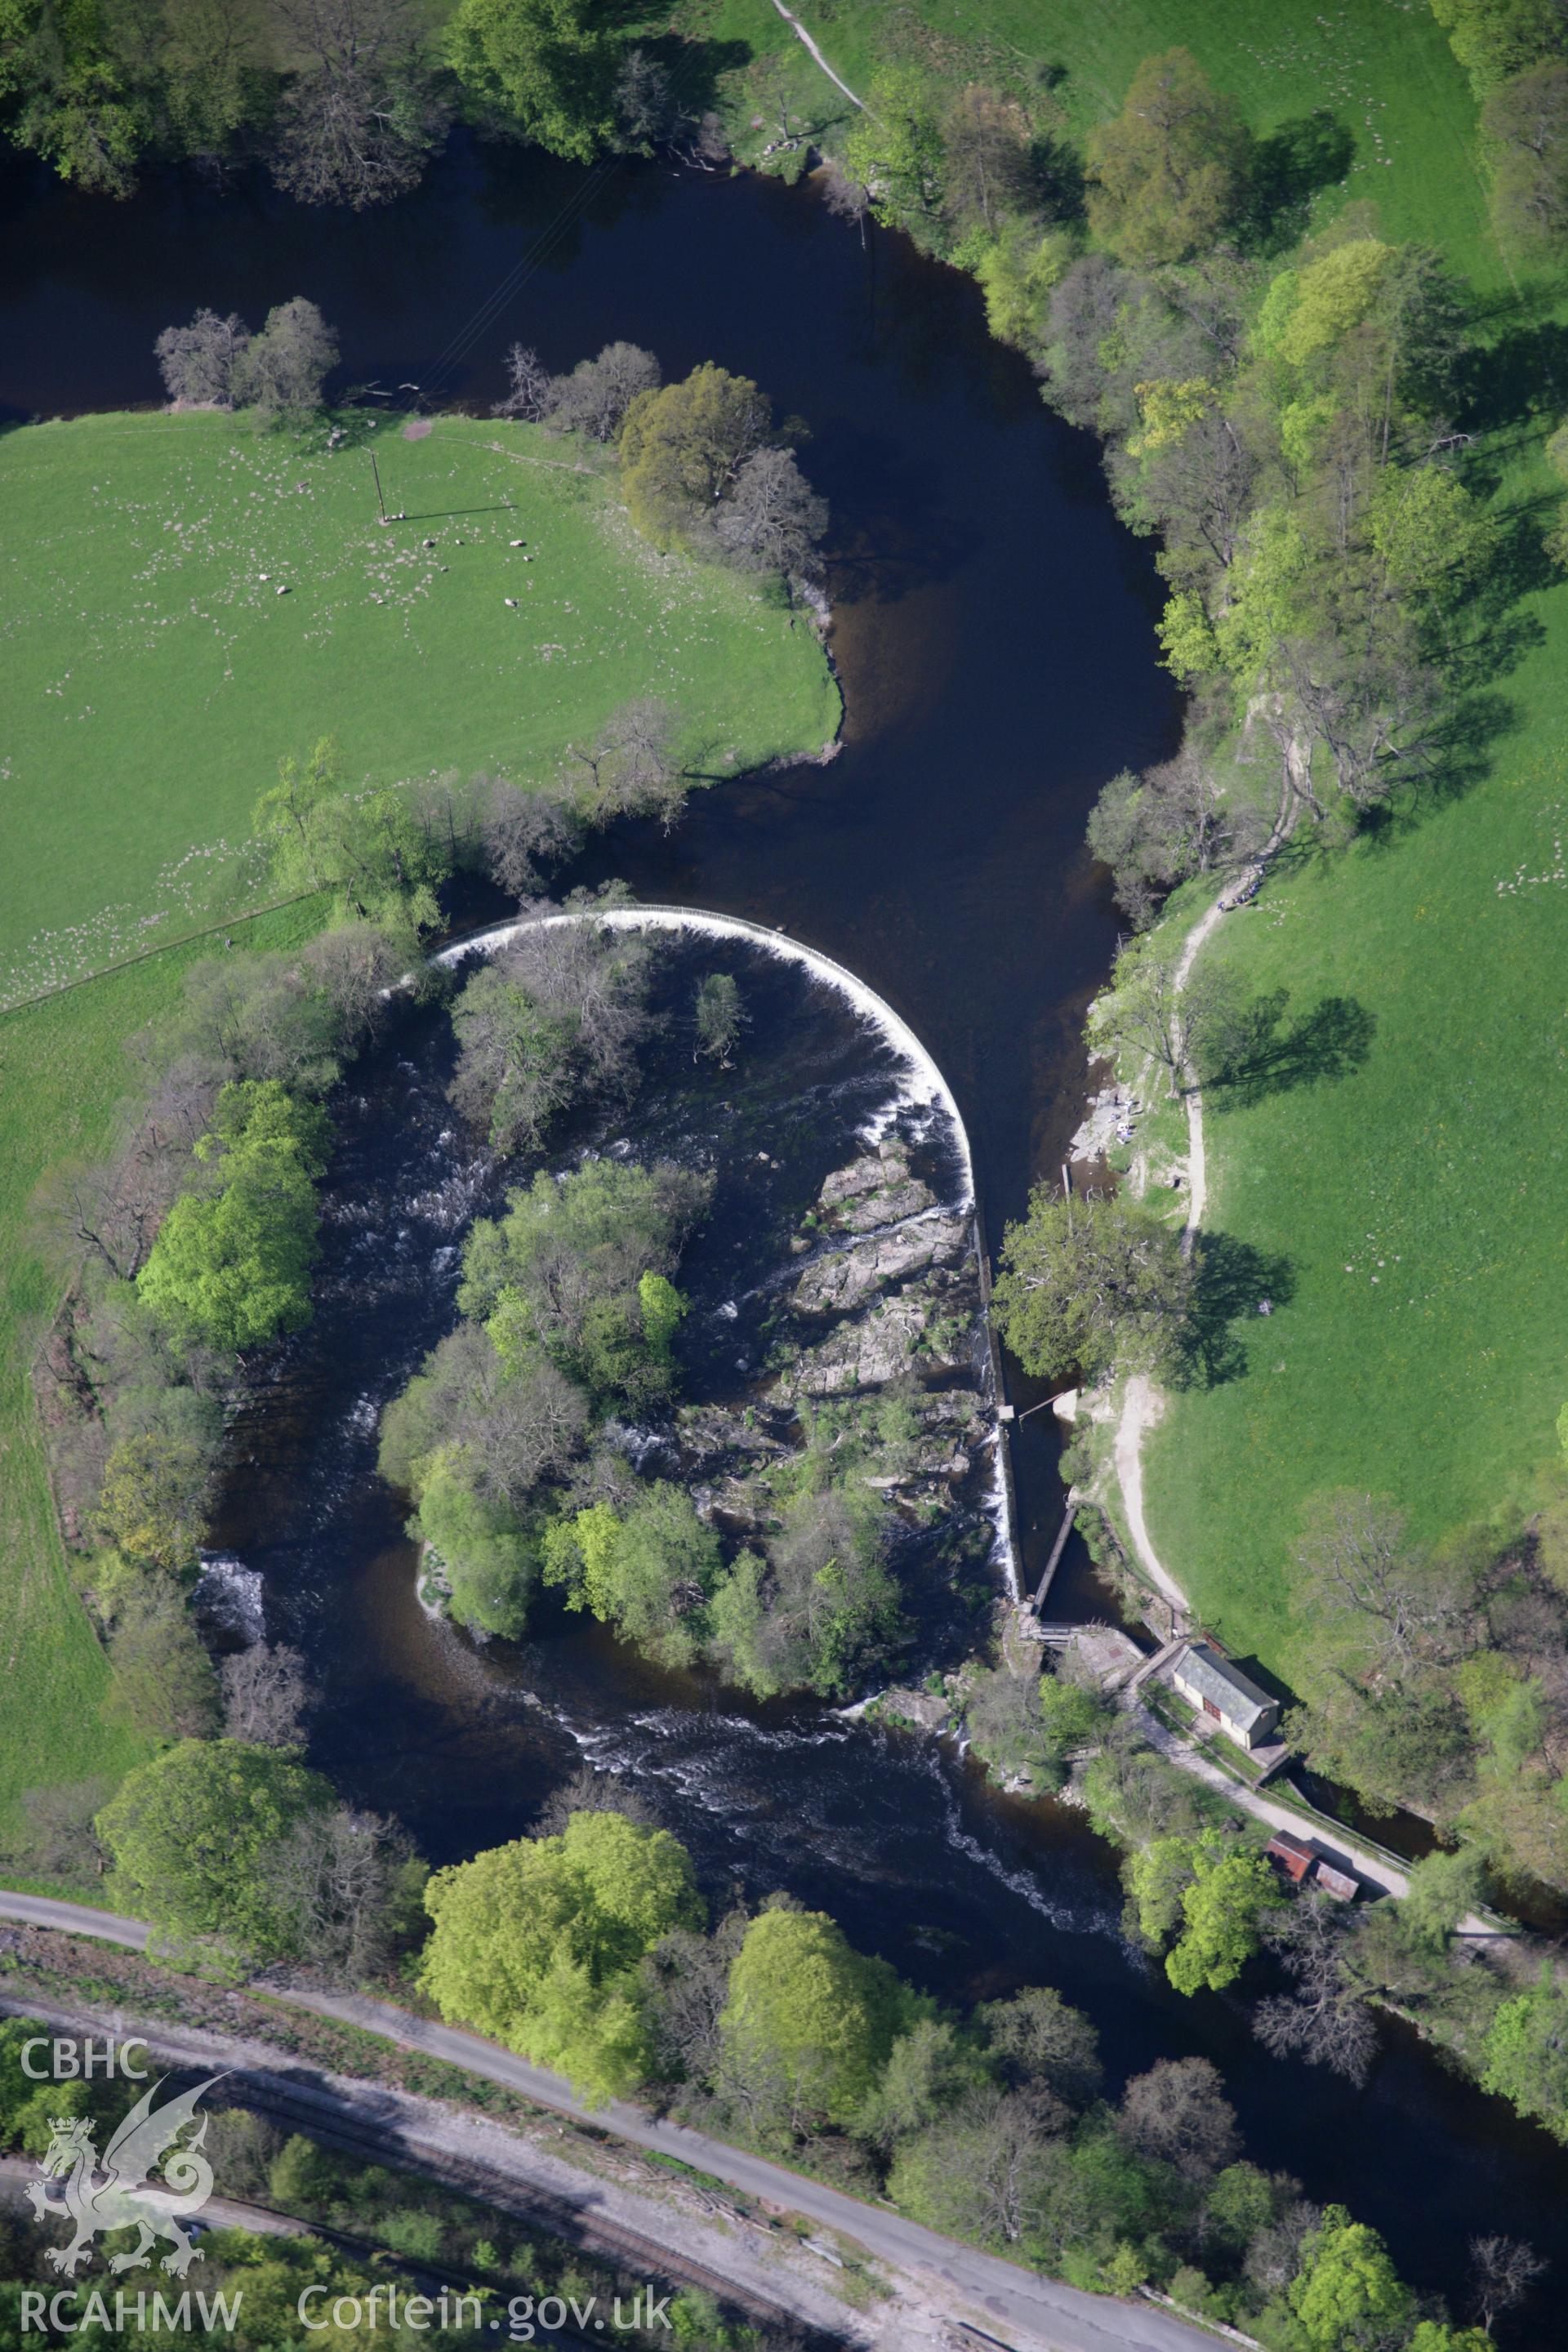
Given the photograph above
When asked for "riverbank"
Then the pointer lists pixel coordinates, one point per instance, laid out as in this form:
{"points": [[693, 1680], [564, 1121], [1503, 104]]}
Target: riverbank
{"points": [[66, 1076], [975, 534], [1387, 75]]}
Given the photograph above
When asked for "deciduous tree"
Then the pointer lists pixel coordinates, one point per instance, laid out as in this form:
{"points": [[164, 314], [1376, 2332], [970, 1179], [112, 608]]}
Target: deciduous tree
{"points": [[1503, 2270], [157, 1487], [531, 387], [544, 68], [164, 1686], [264, 1694], [809, 2023], [1348, 2296], [683, 448], [231, 1266], [991, 2171], [352, 1883], [557, 1014], [1168, 171], [1325, 2018], [1524, 124], [648, 1571], [1177, 2114], [74, 103], [284, 370], [894, 148], [540, 1943], [720, 1017], [1527, 2053], [361, 115], [1494, 38], [986, 173], [199, 363], [1085, 1282], [594, 398], [819, 1606], [772, 520], [191, 1835], [1040, 2042]]}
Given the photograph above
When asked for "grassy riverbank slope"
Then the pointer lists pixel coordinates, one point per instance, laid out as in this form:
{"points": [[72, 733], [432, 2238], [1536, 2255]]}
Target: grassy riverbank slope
{"points": [[156, 674], [1420, 1203], [63, 1073]]}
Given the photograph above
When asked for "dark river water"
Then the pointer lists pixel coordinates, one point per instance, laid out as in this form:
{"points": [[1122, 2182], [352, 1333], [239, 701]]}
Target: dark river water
{"points": [[994, 630]]}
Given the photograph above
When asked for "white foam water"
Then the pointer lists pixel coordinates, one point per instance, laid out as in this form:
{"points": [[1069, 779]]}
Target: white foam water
{"points": [[229, 1596]]}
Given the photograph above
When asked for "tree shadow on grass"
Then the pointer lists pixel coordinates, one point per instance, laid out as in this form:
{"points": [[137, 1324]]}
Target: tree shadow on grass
{"points": [[1235, 1287], [1263, 1054], [1489, 634], [1519, 377], [1314, 150], [1463, 749]]}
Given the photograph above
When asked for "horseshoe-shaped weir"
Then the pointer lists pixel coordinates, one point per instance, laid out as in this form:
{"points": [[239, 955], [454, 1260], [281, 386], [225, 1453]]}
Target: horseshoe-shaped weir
{"points": [[924, 1089]]}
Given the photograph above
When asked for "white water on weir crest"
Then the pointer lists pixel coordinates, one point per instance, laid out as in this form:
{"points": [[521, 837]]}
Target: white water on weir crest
{"points": [[921, 1088]]}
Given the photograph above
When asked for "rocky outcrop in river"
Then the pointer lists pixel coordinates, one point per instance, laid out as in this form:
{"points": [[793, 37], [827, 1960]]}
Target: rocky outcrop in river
{"points": [[888, 1308]]}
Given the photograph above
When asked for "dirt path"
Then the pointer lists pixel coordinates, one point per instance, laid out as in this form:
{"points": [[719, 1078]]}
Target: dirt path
{"points": [[1197, 1164], [1142, 1404], [798, 29], [1141, 1409]]}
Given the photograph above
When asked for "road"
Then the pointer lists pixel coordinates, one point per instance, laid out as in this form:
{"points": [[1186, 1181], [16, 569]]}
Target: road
{"points": [[1011, 2304]]}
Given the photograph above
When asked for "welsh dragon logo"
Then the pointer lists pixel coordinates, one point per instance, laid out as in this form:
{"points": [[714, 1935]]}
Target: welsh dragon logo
{"points": [[114, 2193]]}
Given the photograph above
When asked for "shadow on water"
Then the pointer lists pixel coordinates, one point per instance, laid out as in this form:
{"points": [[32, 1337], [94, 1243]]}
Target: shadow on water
{"points": [[994, 632]]}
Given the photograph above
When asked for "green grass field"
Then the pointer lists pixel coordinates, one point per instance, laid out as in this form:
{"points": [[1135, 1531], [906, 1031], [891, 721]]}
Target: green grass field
{"points": [[1421, 1202], [154, 674]]}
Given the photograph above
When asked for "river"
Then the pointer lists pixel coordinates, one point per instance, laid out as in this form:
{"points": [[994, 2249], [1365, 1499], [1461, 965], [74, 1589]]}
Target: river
{"points": [[994, 633]]}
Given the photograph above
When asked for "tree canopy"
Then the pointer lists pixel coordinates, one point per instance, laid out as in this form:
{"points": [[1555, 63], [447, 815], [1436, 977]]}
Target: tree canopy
{"points": [[191, 1835], [231, 1266], [682, 448], [539, 1944], [1527, 2053], [1086, 1281], [561, 1272], [1168, 172], [1524, 129], [1212, 1895], [648, 1571], [810, 2022], [1349, 2292], [543, 67]]}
